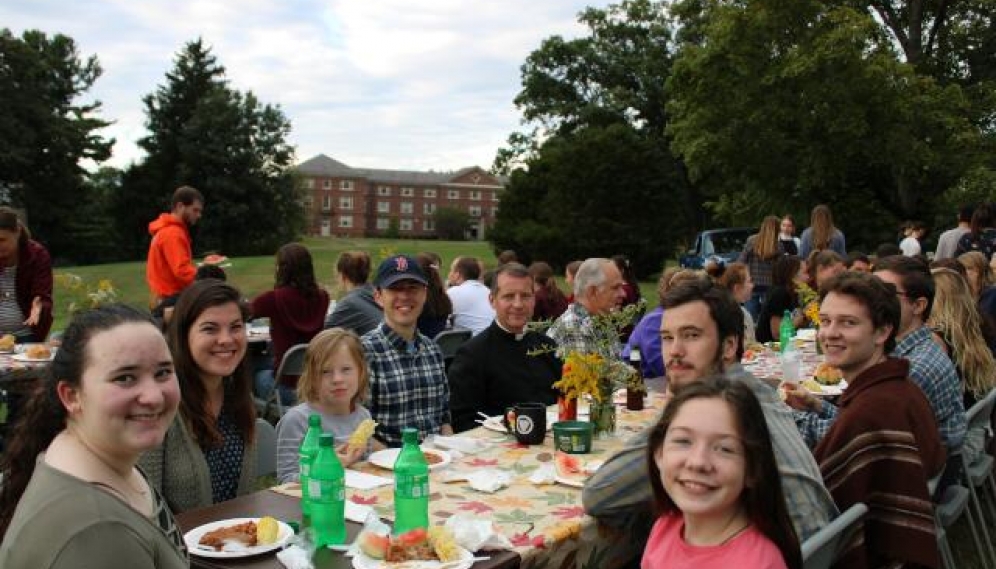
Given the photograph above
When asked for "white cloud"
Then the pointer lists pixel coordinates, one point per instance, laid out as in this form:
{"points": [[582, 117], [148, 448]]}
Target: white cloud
{"points": [[408, 84]]}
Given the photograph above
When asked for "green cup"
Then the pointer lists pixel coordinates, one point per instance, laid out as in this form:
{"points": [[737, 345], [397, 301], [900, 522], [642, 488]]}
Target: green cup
{"points": [[572, 437]]}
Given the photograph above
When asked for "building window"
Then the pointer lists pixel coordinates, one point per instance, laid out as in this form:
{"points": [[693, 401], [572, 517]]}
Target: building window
{"points": [[429, 208], [346, 221], [383, 190], [453, 194], [428, 225], [407, 192], [309, 202], [383, 207], [346, 185], [475, 195], [327, 203], [406, 207], [327, 185], [346, 202], [429, 193], [474, 210], [405, 225], [494, 196], [309, 183], [383, 223]]}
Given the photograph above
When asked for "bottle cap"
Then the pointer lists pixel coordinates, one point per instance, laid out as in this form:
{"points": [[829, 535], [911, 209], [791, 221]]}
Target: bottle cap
{"points": [[326, 440], [409, 435], [315, 420], [634, 355]]}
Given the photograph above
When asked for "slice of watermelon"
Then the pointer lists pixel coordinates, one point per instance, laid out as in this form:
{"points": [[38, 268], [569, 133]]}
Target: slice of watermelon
{"points": [[215, 259], [567, 466]]}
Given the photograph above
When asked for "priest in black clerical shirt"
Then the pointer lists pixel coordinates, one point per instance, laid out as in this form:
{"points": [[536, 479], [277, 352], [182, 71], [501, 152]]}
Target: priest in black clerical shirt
{"points": [[503, 365]]}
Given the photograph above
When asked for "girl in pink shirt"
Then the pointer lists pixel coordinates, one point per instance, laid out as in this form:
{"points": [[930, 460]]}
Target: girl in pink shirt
{"points": [[716, 484]]}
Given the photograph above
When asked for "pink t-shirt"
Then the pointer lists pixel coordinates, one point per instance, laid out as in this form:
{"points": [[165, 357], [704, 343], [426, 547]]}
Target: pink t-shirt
{"points": [[666, 548]]}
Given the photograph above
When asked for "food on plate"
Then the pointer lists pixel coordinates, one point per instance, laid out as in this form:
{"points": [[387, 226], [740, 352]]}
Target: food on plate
{"points": [[444, 544], [567, 465], [7, 342], [38, 352], [812, 386], [749, 355], [431, 457], [373, 545], [827, 374], [244, 533], [358, 440], [267, 531], [413, 545], [215, 259]]}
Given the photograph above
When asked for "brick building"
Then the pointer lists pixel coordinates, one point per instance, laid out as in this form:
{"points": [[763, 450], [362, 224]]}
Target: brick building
{"points": [[361, 202]]}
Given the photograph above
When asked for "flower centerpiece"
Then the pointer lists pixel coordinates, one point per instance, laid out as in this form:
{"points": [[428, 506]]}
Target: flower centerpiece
{"points": [[809, 300]]}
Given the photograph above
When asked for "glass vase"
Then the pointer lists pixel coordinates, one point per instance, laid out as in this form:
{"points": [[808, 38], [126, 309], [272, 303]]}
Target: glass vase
{"points": [[567, 409], [603, 418]]}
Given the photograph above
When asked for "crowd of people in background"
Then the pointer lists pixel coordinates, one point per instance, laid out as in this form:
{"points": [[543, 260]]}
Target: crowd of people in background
{"points": [[151, 415]]}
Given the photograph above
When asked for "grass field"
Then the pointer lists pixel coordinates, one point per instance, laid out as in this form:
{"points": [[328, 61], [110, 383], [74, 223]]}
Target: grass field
{"points": [[253, 275]]}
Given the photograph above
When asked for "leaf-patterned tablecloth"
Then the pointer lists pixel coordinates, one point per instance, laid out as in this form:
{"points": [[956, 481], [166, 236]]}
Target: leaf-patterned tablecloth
{"points": [[546, 523]]}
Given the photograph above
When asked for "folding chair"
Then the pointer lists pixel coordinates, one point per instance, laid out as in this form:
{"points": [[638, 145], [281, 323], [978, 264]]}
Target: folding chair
{"points": [[266, 448], [980, 470], [948, 509], [451, 340], [292, 364], [825, 546]]}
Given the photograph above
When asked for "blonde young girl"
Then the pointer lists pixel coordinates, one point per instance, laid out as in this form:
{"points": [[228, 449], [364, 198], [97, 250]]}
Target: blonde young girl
{"points": [[716, 484], [334, 382]]}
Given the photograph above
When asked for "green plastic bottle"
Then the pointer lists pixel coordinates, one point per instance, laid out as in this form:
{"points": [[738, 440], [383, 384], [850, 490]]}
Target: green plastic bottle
{"points": [[327, 492], [306, 456], [411, 485], [786, 331]]}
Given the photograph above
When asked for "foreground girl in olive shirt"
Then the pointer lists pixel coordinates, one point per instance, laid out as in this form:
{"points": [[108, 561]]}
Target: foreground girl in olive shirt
{"points": [[72, 496]]}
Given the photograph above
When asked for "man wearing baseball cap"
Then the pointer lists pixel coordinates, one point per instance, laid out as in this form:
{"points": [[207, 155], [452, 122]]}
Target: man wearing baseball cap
{"points": [[408, 386]]}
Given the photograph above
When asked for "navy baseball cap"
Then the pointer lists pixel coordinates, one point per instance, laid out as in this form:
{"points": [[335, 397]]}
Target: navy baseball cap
{"points": [[399, 268]]}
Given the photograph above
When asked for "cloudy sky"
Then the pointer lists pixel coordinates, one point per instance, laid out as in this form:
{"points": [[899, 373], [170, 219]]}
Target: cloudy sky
{"points": [[400, 84]]}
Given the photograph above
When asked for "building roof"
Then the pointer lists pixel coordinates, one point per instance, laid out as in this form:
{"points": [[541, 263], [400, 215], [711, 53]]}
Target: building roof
{"points": [[322, 165]]}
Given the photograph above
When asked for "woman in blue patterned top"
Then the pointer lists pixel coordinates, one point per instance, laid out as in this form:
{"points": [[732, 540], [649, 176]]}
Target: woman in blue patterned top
{"points": [[209, 454]]}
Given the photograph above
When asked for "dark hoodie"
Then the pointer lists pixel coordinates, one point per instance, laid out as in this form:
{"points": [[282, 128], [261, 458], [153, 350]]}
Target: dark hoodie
{"points": [[294, 319]]}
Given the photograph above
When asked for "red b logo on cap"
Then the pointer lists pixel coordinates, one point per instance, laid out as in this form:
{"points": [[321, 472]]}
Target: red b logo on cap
{"points": [[401, 264]]}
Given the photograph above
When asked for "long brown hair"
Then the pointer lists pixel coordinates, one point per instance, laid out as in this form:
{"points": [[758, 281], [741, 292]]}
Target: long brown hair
{"points": [[194, 300], [821, 222], [44, 416], [762, 498], [955, 315], [11, 221], [542, 273], [766, 245], [437, 302], [295, 269]]}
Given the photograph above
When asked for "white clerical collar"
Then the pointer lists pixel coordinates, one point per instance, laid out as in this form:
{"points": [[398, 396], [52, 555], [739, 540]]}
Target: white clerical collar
{"points": [[518, 337]]}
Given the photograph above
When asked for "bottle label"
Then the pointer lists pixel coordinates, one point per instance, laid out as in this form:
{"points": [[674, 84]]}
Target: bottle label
{"points": [[305, 469], [411, 485], [327, 490]]}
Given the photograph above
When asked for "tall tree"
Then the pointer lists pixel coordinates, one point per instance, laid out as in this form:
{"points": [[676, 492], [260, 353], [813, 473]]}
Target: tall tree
{"points": [[802, 102], [227, 144], [46, 132]]}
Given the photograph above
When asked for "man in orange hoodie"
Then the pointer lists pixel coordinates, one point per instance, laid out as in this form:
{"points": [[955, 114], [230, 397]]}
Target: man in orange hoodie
{"points": [[170, 266]]}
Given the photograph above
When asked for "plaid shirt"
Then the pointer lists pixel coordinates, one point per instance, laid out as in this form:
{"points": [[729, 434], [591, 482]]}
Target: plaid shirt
{"points": [[408, 386], [619, 492], [932, 370], [574, 331]]}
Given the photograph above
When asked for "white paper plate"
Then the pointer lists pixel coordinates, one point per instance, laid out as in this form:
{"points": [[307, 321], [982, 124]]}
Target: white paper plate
{"points": [[831, 390], [361, 561], [385, 458], [25, 358], [234, 550], [572, 482]]}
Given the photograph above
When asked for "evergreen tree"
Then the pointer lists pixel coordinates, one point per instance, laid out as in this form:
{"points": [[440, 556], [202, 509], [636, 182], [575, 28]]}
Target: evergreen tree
{"points": [[223, 142]]}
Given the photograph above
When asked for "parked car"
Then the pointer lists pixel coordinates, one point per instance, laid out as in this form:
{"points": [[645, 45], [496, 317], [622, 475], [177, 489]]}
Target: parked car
{"points": [[721, 244]]}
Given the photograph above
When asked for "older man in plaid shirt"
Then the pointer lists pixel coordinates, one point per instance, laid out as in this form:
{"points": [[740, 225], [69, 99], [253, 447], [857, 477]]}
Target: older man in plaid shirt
{"points": [[598, 289], [408, 386]]}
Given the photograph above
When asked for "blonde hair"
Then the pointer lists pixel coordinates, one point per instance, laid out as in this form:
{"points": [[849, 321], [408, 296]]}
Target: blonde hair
{"points": [[766, 243], [821, 222], [320, 349], [955, 316], [977, 261]]}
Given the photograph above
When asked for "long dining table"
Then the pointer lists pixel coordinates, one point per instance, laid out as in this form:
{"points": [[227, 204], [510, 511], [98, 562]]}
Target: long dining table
{"points": [[545, 523]]}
